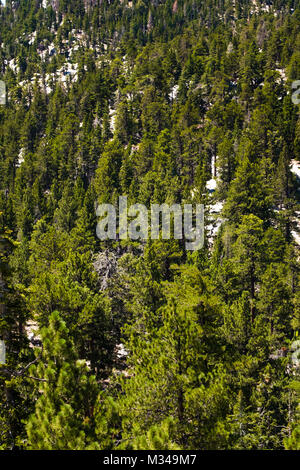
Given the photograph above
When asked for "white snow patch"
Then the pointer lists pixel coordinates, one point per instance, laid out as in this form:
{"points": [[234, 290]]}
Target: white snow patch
{"points": [[121, 351], [31, 329], [215, 221], [296, 237], [112, 118], [216, 208], [32, 37], [13, 65], [174, 92], [282, 74], [211, 184], [20, 157], [295, 168]]}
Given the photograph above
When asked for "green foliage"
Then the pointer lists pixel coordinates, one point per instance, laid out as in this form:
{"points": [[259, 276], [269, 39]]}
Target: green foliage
{"points": [[63, 416], [154, 347]]}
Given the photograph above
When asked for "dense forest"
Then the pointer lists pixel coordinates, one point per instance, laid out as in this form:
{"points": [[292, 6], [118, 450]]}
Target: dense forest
{"points": [[143, 344]]}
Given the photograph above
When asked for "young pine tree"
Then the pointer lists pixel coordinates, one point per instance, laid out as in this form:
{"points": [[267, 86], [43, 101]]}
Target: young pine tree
{"points": [[64, 410]]}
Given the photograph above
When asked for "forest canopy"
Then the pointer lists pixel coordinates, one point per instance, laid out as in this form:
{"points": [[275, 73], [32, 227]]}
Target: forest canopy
{"points": [[143, 344]]}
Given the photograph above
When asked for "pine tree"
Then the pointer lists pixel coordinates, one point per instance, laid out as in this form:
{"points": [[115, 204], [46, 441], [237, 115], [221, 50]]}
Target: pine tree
{"points": [[157, 438], [64, 411]]}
